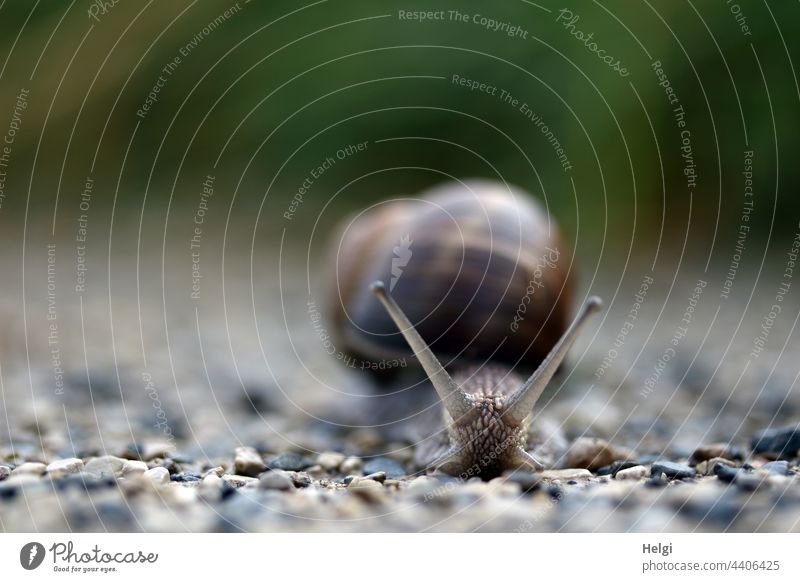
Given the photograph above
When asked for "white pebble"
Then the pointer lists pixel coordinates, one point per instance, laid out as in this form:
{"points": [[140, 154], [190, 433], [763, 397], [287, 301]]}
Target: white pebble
{"points": [[632, 473], [64, 467], [158, 475], [132, 468]]}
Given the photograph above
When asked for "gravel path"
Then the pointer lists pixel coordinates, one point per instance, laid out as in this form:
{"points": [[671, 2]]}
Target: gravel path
{"points": [[158, 427]]}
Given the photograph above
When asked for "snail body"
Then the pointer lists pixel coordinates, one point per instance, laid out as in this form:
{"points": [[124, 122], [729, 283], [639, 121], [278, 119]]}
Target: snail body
{"points": [[477, 274]]}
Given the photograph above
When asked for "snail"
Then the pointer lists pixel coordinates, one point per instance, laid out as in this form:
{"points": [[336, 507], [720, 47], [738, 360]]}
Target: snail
{"points": [[470, 277]]}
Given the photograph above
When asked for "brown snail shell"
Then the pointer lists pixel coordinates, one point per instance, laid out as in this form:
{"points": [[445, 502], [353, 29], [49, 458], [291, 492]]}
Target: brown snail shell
{"points": [[479, 268]]}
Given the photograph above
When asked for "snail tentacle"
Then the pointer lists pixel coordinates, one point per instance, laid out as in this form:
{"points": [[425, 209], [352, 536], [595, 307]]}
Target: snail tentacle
{"points": [[455, 400], [521, 403], [528, 459]]}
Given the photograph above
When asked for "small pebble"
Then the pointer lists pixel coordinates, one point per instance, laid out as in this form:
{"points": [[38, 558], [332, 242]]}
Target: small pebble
{"points": [[300, 479], [133, 468], [590, 453], [104, 467], [289, 462], [632, 473], [616, 467], [776, 468], [389, 467], [784, 441], [707, 467], [276, 479], [351, 465], [238, 481], [186, 477], [671, 470], [725, 473], [36, 469], [716, 450], [5, 471], [565, 474], [156, 450], [248, 462], [330, 461], [158, 475], [211, 483], [64, 467]]}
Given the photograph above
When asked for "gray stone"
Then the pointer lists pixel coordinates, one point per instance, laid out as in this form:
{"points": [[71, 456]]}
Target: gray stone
{"points": [[709, 467], [632, 473], [784, 441], [565, 474], [276, 479], [131, 468], [248, 462], [238, 481], [36, 469], [671, 470], [156, 450], [776, 468], [351, 465], [158, 475], [300, 478], [716, 450], [289, 462], [64, 467], [104, 467], [330, 461]]}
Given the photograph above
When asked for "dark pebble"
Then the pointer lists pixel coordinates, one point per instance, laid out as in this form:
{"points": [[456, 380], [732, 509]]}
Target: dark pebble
{"points": [[671, 470], [289, 462], [726, 474], [186, 477], [301, 480], [783, 442], [616, 467], [777, 467], [706, 452], [391, 468], [349, 479]]}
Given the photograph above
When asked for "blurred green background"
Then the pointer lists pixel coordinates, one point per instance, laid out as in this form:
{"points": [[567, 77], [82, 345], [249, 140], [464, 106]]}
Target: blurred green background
{"points": [[274, 88]]}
